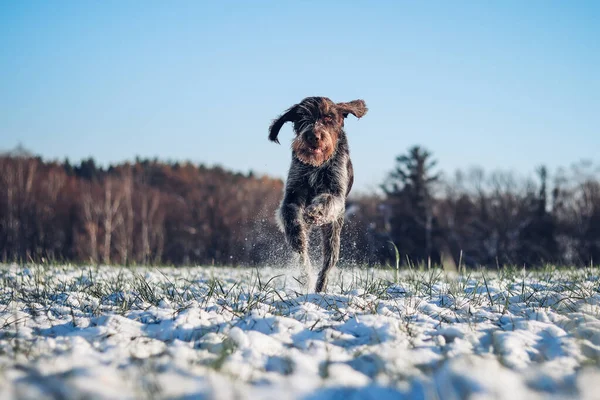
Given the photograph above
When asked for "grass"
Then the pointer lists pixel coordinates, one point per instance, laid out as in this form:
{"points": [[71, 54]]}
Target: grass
{"points": [[91, 292], [73, 295]]}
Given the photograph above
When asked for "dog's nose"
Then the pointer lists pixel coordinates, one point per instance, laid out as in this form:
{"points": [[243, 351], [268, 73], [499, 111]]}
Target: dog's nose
{"points": [[314, 137]]}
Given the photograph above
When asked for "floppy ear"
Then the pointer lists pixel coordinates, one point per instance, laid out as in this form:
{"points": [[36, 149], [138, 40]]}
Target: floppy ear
{"points": [[358, 108], [288, 116]]}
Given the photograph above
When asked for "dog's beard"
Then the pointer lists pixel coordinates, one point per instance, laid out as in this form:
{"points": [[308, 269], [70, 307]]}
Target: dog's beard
{"points": [[313, 156]]}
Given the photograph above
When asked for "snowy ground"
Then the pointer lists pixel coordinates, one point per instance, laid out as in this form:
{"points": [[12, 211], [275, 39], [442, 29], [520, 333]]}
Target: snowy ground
{"points": [[70, 332]]}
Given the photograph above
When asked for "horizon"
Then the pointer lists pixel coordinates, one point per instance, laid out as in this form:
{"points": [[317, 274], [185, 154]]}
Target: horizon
{"points": [[585, 166], [508, 86]]}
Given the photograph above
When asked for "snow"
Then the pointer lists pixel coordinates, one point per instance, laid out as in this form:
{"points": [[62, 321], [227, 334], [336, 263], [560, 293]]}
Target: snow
{"points": [[227, 333]]}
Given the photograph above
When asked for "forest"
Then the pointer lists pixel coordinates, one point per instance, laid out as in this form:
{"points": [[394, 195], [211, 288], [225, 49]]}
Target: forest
{"points": [[150, 212]]}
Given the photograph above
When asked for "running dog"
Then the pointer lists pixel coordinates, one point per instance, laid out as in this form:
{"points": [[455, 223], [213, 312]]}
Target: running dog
{"points": [[319, 179]]}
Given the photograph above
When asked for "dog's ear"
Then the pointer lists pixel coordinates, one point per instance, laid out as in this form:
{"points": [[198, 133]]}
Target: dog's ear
{"points": [[358, 108], [289, 116]]}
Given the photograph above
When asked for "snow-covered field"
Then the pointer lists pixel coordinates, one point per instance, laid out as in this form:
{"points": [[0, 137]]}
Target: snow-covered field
{"points": [[223, 333]]}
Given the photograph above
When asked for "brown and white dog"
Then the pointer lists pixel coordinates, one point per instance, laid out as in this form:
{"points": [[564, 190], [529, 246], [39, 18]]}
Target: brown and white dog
{"points": [[319, 178]]}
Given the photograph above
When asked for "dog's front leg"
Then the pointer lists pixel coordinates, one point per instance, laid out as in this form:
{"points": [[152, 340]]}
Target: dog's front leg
{"points": [[330, 235], [294, 227], [324, 209], [296, 233]]}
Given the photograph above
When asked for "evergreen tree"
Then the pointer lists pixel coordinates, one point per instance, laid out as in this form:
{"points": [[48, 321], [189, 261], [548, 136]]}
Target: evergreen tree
{"points": [[409, 193], [537, 240]]}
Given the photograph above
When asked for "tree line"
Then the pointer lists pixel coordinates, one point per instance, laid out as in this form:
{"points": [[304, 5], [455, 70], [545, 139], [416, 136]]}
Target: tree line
{"points": [[147, 212], [477, 219], [153, 212]]}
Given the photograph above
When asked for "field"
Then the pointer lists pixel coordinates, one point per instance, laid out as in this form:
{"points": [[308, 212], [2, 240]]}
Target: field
{"points": [[226, 333]]}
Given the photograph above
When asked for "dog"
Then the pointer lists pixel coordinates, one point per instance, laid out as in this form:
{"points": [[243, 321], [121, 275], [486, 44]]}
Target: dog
{"points": [[320, 177]]}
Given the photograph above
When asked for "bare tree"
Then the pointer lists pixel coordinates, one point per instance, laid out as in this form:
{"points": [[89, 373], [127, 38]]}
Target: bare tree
{"points": [[112, 202], [125, 219], [91, 215], [151, 232]]}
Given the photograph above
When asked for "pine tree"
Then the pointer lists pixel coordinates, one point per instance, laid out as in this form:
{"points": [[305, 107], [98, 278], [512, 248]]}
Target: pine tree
{"points": [[537, 240], [409, 193]]}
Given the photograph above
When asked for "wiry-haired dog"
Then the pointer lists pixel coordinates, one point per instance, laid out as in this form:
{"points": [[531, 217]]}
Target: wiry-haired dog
{"points": [[320, 176]]}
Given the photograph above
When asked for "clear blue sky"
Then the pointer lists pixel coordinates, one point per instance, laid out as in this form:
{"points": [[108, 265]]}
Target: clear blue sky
{"points": [[504, 84]]}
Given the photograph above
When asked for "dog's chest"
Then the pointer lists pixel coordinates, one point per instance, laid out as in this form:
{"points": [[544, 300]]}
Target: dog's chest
{"points": [[327, 179], [315, 178]]}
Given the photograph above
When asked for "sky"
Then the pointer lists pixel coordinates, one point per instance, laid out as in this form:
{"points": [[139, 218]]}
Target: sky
{"points": [[504, 85]]}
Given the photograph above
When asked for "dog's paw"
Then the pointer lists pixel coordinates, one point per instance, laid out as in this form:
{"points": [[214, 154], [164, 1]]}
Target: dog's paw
{"points": [[315, 214], [306, 280]]}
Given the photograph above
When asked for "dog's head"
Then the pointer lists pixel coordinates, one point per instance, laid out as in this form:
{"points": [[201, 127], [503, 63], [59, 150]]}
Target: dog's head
{"points": [[318, 124]]}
